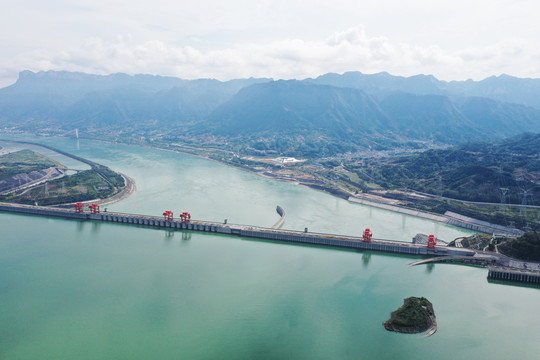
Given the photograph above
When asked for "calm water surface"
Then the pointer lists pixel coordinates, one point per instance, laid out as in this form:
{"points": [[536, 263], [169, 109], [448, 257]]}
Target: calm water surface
{"points": [[81, 290]]}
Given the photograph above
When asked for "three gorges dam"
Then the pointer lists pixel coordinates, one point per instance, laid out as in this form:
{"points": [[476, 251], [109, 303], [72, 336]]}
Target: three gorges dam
{"points": [[185, 222], [501, 268]]}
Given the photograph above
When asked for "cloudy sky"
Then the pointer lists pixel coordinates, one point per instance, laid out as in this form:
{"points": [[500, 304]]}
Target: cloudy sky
{"points": [[453, 40]]}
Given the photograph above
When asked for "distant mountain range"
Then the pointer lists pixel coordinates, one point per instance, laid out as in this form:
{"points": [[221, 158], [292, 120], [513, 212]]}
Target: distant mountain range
{"points": [[352, 109], [503, 88], [78, 100]]}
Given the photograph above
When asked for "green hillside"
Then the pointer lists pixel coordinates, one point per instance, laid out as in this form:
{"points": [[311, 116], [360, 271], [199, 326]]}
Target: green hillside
{"points": [[472, 172], [526, 247]]}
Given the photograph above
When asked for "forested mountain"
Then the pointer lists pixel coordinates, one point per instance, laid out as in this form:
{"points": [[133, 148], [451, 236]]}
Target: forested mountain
{"points": [[429, 117], [294, 108], [337, 113], [473, 171], [526, 247]]}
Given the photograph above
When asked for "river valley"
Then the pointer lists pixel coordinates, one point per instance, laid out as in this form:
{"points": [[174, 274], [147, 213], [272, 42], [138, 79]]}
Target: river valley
{"points": [[87, 290]]}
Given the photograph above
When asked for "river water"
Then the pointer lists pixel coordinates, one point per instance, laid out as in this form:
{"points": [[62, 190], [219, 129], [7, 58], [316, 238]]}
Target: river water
{"points": [[82, 290]]}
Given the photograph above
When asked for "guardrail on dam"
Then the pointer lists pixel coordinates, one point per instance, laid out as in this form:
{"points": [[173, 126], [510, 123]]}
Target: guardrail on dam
{"points": [[292, 236]]}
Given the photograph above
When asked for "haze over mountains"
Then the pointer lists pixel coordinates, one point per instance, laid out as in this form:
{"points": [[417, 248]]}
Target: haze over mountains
{"points": [[353, 110]]}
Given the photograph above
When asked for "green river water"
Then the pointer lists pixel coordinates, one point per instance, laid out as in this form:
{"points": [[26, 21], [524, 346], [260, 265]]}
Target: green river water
{"points": [[83, 290]]}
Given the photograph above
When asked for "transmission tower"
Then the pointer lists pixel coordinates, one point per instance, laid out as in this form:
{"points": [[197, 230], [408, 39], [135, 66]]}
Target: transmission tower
{"points": [[503, 191], [522, 209]]}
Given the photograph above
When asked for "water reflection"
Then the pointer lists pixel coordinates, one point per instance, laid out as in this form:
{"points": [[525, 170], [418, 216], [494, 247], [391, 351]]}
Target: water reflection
{"points": [[429, 268], [366, 258], [169, 235], [438, 229], [186, 236], [96, 225]]}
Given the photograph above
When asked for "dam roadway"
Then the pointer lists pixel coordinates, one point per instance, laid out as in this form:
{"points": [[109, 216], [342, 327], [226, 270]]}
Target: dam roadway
{"points": [[272, 234]]}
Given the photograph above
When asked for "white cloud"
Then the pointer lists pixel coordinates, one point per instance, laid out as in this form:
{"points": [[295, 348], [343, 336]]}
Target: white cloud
{"points": [[349, 50]]}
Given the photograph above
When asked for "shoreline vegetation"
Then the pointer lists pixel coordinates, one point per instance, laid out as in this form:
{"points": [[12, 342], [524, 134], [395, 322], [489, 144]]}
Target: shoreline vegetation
{"points": [[49, 184]]}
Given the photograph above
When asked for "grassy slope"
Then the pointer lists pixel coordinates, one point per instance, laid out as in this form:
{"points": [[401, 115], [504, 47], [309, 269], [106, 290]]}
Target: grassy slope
{"points": [[24, 161]]}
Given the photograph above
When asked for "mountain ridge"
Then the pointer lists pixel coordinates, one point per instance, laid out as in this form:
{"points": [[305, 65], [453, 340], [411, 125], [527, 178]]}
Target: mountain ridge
{"points": [[505, 88], [351, 111]]}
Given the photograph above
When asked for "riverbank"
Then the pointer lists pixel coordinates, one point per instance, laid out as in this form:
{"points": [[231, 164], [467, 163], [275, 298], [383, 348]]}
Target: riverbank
{"points": [[294, 176], [297, 177], [447, 218], [107, 176], [290, 174], [126, 192]]}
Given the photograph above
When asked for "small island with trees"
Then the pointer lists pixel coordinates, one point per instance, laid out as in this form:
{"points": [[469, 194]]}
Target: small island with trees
{"points": [[416, 315]]}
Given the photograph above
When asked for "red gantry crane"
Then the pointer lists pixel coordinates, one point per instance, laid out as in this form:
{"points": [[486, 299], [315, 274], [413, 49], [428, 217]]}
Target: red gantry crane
{"points": [[79, 207], [432, 241], [185, 217], [94, 208], [367, 235], [168, 214]]}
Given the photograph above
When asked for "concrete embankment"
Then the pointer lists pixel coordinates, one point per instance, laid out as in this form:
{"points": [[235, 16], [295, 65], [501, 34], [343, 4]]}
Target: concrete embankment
{"points": [[516, 275], [500, 267], [479, 225], [281, 220], [448, 218]]}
